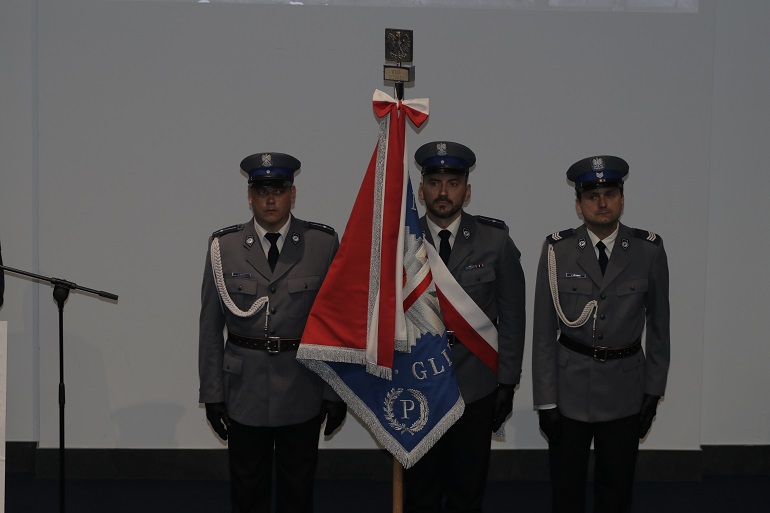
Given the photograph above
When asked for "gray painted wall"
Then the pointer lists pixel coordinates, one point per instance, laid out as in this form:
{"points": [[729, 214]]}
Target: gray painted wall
{"points": [[124, 122]]}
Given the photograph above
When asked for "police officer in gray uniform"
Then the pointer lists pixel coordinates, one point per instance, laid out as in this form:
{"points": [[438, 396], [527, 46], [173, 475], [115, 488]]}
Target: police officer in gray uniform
{"points": [[483, 259], [259, 283], [598, 287]]}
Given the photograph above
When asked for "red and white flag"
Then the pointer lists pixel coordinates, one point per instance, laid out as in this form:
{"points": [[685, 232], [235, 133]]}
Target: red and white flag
{"points": [[461, 313], [375, 331], [358, 316]]}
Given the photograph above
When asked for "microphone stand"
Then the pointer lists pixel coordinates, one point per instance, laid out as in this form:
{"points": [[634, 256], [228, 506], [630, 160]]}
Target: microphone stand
{"points": [[61, 291]]}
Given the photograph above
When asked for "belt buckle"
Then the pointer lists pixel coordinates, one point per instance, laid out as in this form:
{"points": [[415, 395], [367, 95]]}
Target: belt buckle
{"points": [[273, 345], [597, 353], [450, 337]]}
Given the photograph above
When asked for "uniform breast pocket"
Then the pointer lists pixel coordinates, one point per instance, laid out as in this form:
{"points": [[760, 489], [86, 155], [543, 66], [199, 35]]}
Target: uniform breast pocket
{"points": [[243, 291], [479, 283], [302, 291], [631, 294], [574, 294]]}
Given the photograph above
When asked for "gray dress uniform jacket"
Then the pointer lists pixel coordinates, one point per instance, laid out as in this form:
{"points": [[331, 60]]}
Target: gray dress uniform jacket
{"points": [[485, 262], [260, 388], [631, 295]]}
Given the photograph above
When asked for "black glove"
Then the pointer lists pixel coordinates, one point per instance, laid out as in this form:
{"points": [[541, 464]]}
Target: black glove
{"points": [[334, 412], [550, 423], [216, 413], [503, 405], [647, 413]]}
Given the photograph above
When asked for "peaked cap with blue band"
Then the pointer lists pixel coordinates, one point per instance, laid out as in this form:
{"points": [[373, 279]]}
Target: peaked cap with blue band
{"points": [[598, 171], [445, 157], [276, 169]]}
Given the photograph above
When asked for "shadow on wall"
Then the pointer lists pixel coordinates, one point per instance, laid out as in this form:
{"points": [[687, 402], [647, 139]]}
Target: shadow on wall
{"points": [[148, 424]]}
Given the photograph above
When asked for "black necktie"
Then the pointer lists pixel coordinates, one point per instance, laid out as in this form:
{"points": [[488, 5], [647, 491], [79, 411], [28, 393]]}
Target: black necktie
{"points": [[444, 248], [602, 256], [272, 254]]}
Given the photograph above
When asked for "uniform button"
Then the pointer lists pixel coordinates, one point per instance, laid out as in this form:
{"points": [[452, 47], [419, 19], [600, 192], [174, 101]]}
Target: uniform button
{"points": [[633, 287], [574, 288], [305, 285], [272, 289], [478, 278], [600, 337], [240, 288], [603, 296], [272, 310], [272, 332], [602, 316]]}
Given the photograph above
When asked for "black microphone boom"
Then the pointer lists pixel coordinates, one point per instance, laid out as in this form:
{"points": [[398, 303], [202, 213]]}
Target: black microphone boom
{"points": [[61, 290]]}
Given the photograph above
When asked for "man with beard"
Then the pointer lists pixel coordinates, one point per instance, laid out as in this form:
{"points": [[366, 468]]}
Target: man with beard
{"points": [[483, 259], [598, 288], [259, 283]]}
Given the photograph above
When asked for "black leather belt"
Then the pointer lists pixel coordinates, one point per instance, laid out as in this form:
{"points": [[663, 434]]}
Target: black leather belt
{"points": [[270, 344], [601, 353]]}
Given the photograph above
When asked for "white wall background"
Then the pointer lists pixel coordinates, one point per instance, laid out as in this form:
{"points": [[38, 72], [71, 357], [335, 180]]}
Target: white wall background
{"points": [[124, 122]]}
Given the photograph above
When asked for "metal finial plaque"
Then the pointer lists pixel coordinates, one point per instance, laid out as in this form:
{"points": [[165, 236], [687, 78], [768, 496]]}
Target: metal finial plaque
{"points": [[399, 48]]}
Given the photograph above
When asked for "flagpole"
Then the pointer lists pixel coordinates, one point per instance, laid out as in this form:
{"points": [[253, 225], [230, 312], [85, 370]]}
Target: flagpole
{"points": [[398, 468], [398, 486], [399, 49]]}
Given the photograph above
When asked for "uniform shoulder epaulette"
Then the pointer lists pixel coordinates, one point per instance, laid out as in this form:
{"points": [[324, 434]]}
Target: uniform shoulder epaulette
{"points": [[229, 229], [318, 226], [559, 236], [647, 235], [491, 221]]}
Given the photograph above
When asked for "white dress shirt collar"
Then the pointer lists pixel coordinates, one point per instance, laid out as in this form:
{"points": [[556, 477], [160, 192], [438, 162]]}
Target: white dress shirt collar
{"points": [[608, 241], [434, 229], [266, 243]]}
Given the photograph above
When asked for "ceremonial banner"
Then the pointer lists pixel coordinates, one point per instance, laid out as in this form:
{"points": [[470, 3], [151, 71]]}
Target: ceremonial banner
{"points": [[375, 331]]}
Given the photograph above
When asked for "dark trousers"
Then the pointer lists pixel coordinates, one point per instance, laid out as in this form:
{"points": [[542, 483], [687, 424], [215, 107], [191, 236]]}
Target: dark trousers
{"points": [[455, 468], [251, 449], [616, 444]]}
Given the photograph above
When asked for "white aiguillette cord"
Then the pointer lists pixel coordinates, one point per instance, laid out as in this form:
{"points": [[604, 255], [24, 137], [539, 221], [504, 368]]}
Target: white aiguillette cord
{"points": [[591, 306], [219, 280]]}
